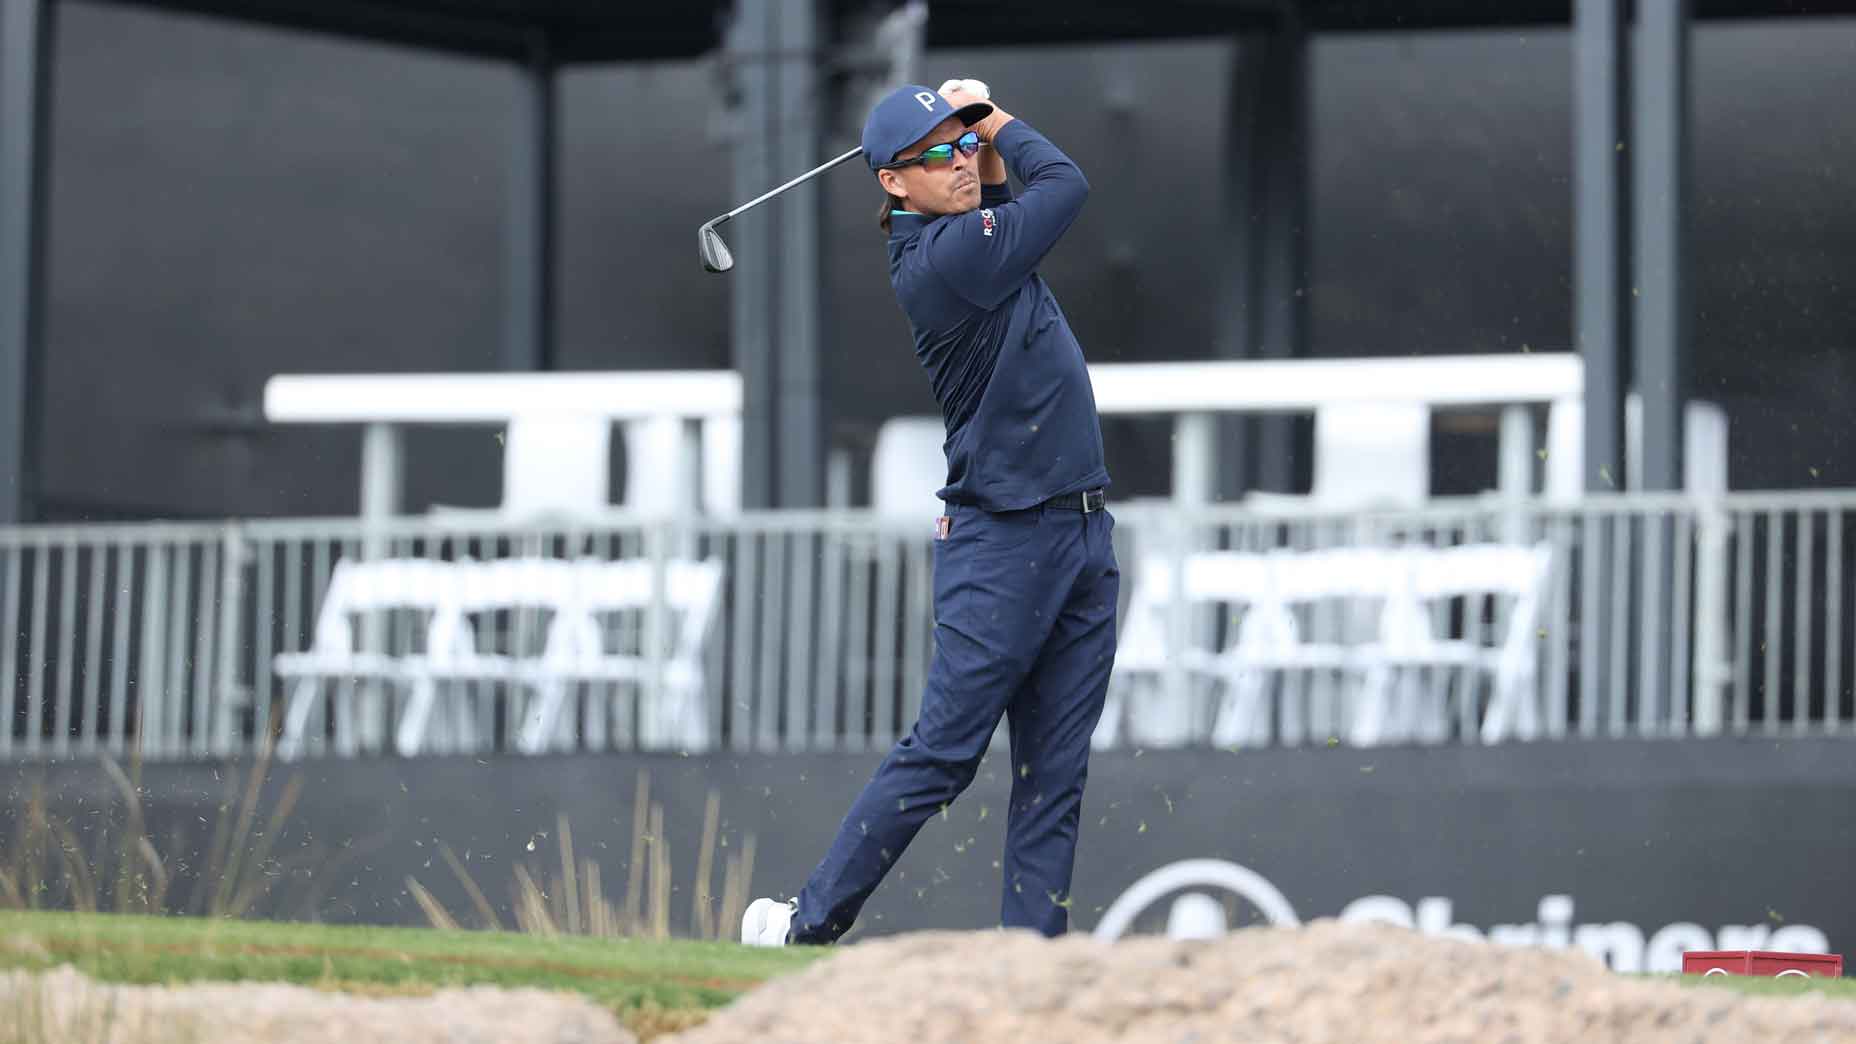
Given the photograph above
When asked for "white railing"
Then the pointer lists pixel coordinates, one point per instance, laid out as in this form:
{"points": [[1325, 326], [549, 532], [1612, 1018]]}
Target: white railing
{"points": [[1657, 616]]}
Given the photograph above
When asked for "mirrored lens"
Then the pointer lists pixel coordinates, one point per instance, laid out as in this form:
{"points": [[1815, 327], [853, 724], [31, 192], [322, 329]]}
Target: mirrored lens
{"points": [[934, 156], [939, 155]]}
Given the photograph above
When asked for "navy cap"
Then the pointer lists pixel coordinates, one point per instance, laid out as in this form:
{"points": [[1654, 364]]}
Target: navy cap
{"points": [[906, 115]]}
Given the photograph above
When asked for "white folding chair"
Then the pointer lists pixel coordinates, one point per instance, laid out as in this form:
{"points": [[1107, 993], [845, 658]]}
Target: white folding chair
{"points": [[1520, 574], [530, 588], [576, 652], [1273, 639], [358, 589]]}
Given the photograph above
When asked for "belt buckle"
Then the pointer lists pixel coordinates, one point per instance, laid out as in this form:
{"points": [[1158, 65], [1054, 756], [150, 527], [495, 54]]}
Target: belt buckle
{"points": [[1092, 500]]}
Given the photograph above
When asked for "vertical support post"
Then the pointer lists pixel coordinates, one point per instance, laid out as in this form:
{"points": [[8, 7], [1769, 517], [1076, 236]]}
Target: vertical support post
{"points": [[151, 689], [752, 239], [1515, 470], [229, 695], [688, 479], [1236, 300], [381, 456], [1265, 200], [380, 471], [25, 103], [1194, 460], [773, 53], [838, 479], [1710, 672], [1602, 316], [382, 453], [1660, 168], [528, 330], [1264, 228], [688, 483], [1515, 466], [1601, 233], [1660, 141], [653, 727], [1195, 473], [1282, 264], [800, 425]]}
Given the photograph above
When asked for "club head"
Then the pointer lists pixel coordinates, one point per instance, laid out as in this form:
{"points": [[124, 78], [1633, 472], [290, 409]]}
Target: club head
{"points": [[715, 255]]}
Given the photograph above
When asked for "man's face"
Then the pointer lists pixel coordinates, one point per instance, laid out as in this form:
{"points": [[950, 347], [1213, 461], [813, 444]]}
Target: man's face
{"points": [[946, 188]]}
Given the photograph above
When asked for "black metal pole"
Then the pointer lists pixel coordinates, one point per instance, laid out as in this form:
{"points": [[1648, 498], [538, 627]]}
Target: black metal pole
{"points": [[1237, 286], [799, 397], [1263, 271], [1601, 208], [25, 95], [1659, 142], [1282, 264], [752, 334], [1602, 314], [528, 335], [1659, 137]]}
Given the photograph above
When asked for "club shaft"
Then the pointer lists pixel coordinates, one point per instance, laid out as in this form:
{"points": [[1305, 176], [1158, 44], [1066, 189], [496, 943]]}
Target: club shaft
{"points": [[813, 173]]}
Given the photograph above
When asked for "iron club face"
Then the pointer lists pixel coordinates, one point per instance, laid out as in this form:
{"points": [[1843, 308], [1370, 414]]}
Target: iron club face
{"points": [[715, 255]]}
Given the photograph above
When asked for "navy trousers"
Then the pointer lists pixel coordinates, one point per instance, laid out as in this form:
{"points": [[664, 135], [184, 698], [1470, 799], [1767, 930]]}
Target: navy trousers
{"points": [[1024, 628]]}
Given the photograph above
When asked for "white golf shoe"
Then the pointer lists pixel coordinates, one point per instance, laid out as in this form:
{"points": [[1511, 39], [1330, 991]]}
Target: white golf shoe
{"points": [[768, 922]]}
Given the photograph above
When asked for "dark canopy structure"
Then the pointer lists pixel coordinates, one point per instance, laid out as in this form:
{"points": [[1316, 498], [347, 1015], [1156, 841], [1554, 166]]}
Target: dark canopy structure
{"points": [[806, 59], [605, 31]]}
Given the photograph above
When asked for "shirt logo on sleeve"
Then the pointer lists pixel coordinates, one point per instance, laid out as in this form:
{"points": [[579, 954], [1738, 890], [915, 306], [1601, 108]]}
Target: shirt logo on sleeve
{"points": [[986, 223]]}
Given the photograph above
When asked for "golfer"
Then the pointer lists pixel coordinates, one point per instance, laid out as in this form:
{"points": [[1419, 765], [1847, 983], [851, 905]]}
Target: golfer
{"points": [[1025, 579]]}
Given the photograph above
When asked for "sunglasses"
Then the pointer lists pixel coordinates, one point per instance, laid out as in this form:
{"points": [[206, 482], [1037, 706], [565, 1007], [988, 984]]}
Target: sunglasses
{"points": [[942, 154]]}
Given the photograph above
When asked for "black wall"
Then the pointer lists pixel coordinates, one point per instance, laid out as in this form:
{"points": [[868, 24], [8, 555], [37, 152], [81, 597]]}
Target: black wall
{"points": [[1669, 845], [230, 202]]}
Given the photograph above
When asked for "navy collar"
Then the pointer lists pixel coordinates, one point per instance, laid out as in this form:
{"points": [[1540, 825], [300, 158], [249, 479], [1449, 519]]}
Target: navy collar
{"points": [[904, 224]]}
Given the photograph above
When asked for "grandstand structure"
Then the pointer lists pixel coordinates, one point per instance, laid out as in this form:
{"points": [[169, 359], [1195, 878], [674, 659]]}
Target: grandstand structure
{"points": [[1366, 611]]}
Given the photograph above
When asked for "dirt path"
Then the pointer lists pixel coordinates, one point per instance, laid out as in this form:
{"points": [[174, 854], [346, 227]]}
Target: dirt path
{"points": [[64, 1007], [1323, 984]]}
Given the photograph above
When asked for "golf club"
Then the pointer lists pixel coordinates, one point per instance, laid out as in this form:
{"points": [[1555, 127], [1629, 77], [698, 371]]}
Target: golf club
{"points": [[715, 255]]}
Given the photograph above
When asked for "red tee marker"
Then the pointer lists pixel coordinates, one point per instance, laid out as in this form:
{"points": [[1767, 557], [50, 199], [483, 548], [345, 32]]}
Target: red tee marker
{"points": [[1763, 963]]}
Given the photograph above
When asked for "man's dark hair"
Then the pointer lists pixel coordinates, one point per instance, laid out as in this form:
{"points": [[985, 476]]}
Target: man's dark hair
{"points": [[882, 216]]}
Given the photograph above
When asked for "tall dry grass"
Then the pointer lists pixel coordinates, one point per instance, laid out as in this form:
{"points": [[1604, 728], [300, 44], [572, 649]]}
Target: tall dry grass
{"points": [[113, 863], [574, 900]]}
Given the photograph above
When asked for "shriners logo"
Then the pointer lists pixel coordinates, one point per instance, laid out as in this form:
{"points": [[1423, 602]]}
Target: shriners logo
{"points": [[1198, 912], [986, 223], [1196, 915]]}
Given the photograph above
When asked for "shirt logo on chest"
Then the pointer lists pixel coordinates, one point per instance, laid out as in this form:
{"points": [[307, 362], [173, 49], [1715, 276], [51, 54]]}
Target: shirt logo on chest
{"points": [[986, 223]]}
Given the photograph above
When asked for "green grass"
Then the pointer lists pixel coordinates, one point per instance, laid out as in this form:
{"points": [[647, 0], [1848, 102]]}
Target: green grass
{"points": [[1790, 986], [652, 985]]}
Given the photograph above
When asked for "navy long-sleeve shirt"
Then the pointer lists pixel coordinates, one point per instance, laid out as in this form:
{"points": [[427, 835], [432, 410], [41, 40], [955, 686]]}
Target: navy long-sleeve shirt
{"points": [[1008, 372]]}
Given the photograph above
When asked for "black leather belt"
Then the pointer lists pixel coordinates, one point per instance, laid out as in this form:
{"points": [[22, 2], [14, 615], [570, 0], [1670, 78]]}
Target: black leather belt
{"points": [[1086, 501]]}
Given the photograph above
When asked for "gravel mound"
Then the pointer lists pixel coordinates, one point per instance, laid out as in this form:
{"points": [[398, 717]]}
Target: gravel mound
{"points": [[65, 1007], [1326, 983]]}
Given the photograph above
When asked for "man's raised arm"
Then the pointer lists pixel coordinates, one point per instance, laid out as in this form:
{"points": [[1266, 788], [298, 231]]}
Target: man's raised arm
{"points": [[986, 254]]}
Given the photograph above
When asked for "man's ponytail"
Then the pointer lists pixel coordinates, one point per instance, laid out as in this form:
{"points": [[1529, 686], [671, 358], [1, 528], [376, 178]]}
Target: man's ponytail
{"points": [[882, 216]]}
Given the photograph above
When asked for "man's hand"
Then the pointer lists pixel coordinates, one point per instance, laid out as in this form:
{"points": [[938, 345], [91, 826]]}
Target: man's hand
{"points": [[991, 166], [966, 92]]}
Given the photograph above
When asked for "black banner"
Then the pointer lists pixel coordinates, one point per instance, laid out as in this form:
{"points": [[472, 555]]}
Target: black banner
{"points": [[1634, 850]]}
